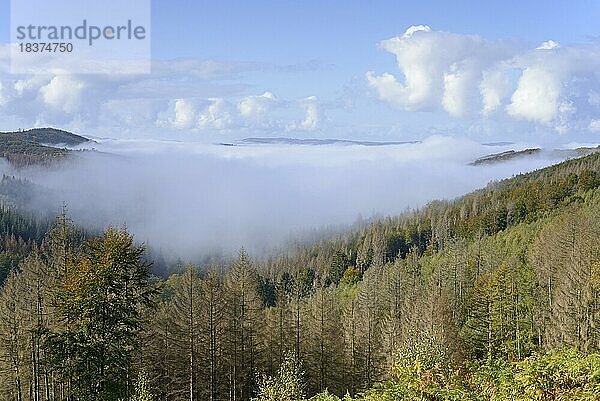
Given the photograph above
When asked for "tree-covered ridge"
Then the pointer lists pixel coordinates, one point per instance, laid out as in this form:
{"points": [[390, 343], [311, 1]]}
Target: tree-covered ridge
{"points": [[503, 204], [46, 136], [18, 234], [495, 295], [37, 146], [521, 154]]}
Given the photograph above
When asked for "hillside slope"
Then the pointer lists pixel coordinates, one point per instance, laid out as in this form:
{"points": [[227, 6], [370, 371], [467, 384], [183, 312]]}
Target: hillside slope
{"points": [[494, 295], [37, 146]]}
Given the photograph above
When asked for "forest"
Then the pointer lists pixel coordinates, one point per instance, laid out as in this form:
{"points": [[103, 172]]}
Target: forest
{"points": [[491, 296], [37, 146]]}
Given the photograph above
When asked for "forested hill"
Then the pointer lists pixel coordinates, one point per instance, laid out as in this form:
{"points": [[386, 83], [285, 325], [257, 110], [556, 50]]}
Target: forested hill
{"points": [[558, 154], [492, 296], [524, 198], [37, 146]]}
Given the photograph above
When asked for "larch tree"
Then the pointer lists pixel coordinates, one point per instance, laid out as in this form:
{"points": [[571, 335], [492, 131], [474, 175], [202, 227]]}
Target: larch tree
{"points": [[324, 359], [242, 316], [185, 314], [212, 336]]}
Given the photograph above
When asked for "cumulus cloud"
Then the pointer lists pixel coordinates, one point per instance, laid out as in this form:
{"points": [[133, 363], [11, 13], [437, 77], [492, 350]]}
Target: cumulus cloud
{"points": [[183, 94], [494, 88], [218, 115], [255, 107], [185, 114], [438, 69], [467, 77], [464, 75], [415, 28], [537, 96], [63, 93], [595, 125], [312, 116], [548, 45], [248, 114], [458, 95]]}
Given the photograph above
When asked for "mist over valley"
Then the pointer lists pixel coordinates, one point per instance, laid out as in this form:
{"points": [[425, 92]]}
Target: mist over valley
{"points": [[191, 199]]}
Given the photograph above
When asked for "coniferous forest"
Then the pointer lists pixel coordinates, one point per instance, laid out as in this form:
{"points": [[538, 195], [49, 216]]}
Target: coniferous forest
{"points": [[492, 296]]}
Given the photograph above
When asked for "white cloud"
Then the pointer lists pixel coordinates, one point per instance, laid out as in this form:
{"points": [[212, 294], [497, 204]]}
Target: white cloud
{"points": [[464, 76], [182, 114], [31, 83], [255, 107], [550, 85], [439, 69], [185, 114], [3, 96], [595, 125], [537, 96], [63, 93], [548, 45], [312, 116], [594, 98], [390, 90], [414, 29], [131, 113], [218, 115], [252, 113], [458, 93], [564, 121], [494, 88]]}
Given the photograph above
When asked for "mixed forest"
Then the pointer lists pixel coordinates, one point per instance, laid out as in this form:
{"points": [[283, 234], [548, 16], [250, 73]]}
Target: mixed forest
{"points": [[492, 296]]}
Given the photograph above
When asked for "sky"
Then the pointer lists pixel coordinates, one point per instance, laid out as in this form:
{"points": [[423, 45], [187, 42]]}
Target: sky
{"points": [[383, 70]]}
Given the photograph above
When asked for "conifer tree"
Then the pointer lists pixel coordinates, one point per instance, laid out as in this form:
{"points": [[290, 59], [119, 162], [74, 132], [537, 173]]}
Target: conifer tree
{"points": [[101, 297]]}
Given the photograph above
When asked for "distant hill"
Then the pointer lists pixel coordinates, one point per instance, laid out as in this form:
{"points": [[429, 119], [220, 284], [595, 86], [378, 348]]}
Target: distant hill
{"points": [[312, 141], [37, 146], [504, 156], [520, 154], [47, 136]]}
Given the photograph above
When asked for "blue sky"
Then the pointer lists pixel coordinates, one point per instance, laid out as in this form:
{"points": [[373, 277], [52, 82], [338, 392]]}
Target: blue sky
{"points": [[315, 69], [343, 34]]}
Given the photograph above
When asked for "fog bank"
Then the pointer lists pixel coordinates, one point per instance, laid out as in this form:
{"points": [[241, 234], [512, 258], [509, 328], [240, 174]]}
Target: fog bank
{"points": [[189, 199]]}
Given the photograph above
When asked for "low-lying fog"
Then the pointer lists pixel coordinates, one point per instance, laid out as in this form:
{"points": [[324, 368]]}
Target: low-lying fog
{"points": [[190, 199]]}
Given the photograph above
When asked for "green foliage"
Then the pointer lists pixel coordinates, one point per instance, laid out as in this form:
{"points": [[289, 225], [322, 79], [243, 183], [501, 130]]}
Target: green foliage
{"points": [[99, 303], [8, 263], [351, 276], [562, 374], [472, 299], [327, 396], [36, 146], [142, 389], [50, 136], [285, 386]]}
